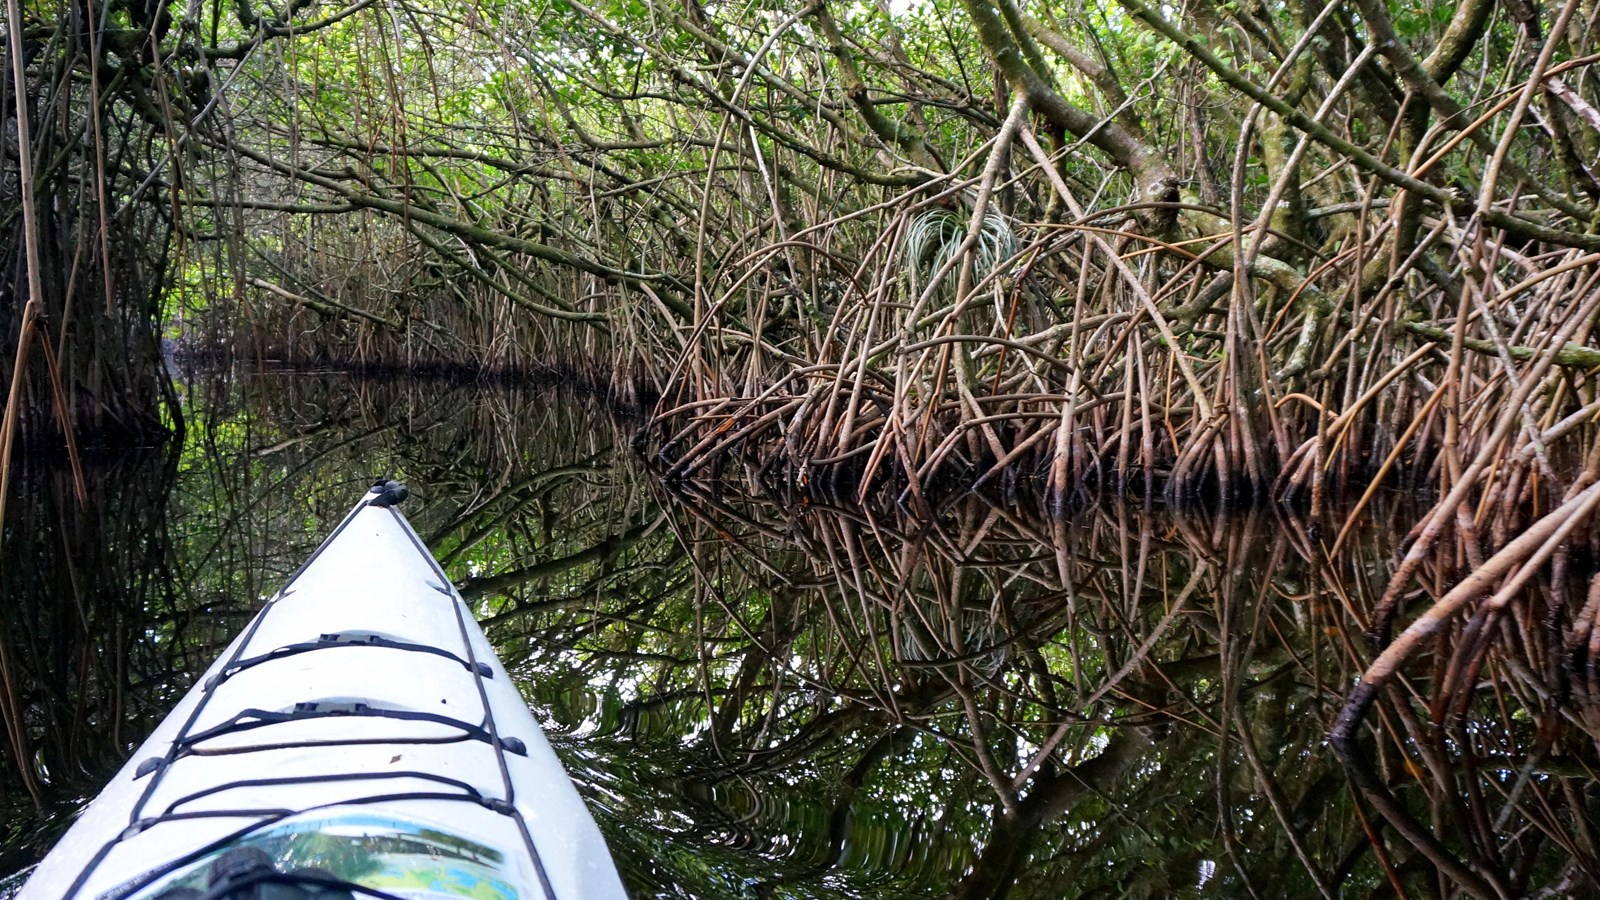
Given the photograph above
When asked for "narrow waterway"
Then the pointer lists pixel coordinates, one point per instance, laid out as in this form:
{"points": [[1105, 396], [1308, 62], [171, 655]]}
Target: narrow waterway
{"points": [[764, 697]]}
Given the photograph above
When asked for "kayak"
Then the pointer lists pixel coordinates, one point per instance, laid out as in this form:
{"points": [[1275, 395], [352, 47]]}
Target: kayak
{"points": [[359, 739]]}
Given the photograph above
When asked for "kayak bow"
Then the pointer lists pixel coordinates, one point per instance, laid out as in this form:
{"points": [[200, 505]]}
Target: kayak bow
{"points": [[359, 739]]}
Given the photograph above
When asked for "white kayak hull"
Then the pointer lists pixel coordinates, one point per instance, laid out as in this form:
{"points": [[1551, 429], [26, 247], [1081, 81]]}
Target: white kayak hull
{"points": [[363, 706]]}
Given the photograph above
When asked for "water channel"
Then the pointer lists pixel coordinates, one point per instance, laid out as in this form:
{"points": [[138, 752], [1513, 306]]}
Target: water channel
{"points": [[765, 697]]}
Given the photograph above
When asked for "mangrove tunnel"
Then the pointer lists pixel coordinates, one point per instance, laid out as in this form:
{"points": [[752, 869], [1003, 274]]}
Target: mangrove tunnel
{"points": [[955, 448]]}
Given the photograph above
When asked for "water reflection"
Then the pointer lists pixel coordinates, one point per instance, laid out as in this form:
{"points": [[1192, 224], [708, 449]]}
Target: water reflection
{"points": [[762, 696], [88, 617]]}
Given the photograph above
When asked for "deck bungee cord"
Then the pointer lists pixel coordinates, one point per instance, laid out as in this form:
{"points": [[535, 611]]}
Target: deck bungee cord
{"points": [[302, 764]]}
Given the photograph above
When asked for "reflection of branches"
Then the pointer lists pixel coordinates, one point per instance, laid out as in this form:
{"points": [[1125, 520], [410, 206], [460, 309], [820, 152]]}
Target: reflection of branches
{"points": [[603, 551], [1119, 700], [1053, 795], [88, 579], [1099, 675]]}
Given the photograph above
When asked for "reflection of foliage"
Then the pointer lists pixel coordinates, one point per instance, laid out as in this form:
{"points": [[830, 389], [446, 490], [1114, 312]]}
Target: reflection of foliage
{"points": [[1180, 672], [767, 698], [89, 616], [112, 608]]}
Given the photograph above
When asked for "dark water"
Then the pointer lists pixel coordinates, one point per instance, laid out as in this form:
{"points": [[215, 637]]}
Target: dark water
{"points": [[770, 699]]}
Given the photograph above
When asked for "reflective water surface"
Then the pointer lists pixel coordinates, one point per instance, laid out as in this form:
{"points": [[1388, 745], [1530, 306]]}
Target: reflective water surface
{"points": [[762, 696]]}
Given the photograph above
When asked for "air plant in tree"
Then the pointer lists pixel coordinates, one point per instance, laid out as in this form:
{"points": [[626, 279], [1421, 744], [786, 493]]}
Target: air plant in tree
{"points": [[934, 244]]}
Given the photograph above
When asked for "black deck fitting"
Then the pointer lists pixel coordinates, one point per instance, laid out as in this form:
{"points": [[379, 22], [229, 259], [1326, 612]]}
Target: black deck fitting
{"points": [[390, 493]]}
